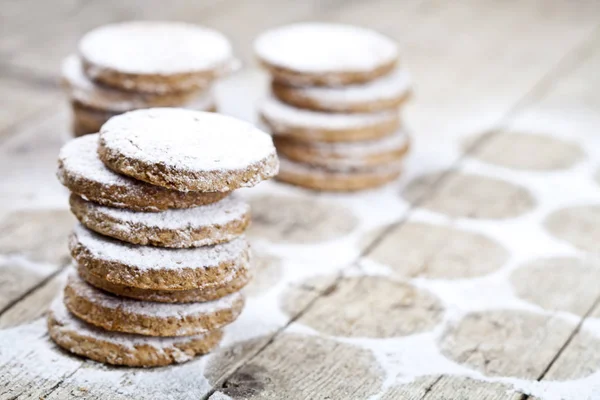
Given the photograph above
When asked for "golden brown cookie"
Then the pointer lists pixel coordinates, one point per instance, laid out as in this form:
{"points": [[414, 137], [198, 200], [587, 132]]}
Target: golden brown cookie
{"points": [[88, 120], [187, 150], [385, 93], [307, 125], [340, 181], [118, 314], [367, 154], [86, 92], [82, 172], [156, 268], [155, 57], [325, 54], [237, 280], [114, 348], [191, 227]]}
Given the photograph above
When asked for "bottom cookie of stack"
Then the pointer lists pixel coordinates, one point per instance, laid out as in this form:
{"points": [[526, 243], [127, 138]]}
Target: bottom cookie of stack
{"points": [[125, 349]]}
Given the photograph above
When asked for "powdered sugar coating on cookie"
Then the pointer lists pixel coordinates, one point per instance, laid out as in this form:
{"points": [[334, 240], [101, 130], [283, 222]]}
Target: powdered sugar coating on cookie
{"points": [[87, 92], [80, 170], [381, 93], [397, 140], [187, 150], [155, 48], [147, 308], [316, 47], [282, 117], [178, 228], [154, 258]]}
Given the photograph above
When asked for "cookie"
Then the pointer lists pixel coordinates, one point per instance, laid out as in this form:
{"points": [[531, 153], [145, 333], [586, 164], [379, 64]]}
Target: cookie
{"points": [[126, 349], [191, 227], [325, 54], [375, 153], [340, 181], [155, 268], [307, 125], [155, 57], [82, 172], [84, 91], [210, 291], [187, 150], [385, 93], [88, 120], [117, 314]]}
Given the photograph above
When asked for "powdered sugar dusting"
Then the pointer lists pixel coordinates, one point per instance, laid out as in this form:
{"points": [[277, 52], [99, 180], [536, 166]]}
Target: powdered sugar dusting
{"points": [[394, 85], [289, 166], [322, 47], [225, 211], [187, 140], [79, 158], [84, 90], [72, 324], [146, 47], [155, 258], [396, 141], [152, 309], [283, 116]]}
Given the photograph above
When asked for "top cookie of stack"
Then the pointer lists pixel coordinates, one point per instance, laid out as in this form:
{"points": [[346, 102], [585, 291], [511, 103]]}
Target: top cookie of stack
{"points": [[160, 251], [334, 114], [132, 65]]}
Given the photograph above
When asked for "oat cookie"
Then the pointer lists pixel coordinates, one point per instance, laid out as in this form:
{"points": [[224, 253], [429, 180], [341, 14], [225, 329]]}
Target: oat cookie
{"points": [[114, 348], [385, 93], [336, 180], [155, 268], [187, 150], [325, 54], [117, 314], [82, 172], [155, 57], [307, 125], [86, 92], [234, 282], [373, 153], [191, 227]]}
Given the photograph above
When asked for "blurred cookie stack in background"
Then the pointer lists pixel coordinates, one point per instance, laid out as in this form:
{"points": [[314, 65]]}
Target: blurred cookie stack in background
{"points": [[335, 106], [132, 65], [160, 253]]}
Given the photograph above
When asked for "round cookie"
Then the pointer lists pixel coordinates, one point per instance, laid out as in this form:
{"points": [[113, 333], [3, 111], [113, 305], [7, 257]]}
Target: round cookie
{"points": [[126, 349], [325, 54], [84, 91], [117, 314], [331, 180], [187, 150], [237, 280], [155, 268], [82, 172], [155, 57], [373, 153], [191, 227], [385, 93], [307, 125], [88, 120]]}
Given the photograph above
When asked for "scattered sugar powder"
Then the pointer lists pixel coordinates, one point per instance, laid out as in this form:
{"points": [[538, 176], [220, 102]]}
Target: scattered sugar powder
{"points": [[156, 258], [283, 116], [71, 324], [389, 87], [323, 47], [187, 140], [228, 210], [155, 48], [158, 310]]}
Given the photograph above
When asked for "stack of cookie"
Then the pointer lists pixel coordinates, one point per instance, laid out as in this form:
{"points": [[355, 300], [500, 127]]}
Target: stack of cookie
{"points": [[334, 113], [160, 253], [133, 65]]}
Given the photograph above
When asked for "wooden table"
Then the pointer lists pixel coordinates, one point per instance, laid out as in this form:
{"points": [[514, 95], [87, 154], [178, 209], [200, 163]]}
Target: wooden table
{"points": [[473, 277]]}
